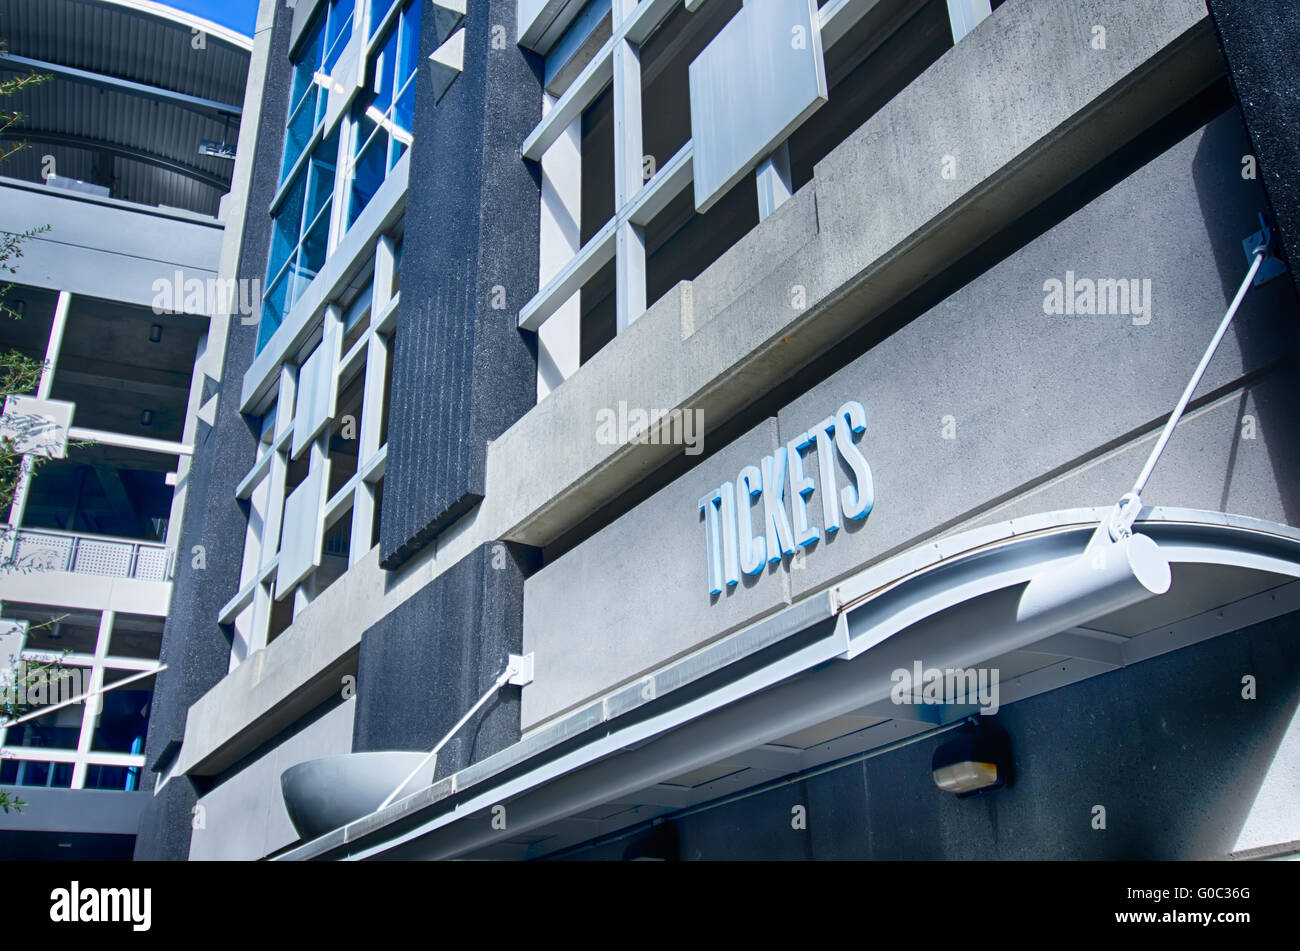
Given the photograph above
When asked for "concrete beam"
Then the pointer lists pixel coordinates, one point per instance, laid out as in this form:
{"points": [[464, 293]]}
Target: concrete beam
{"points": [[116, 84]]}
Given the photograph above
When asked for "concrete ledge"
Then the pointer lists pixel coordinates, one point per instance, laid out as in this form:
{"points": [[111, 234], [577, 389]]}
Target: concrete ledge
{"points": [[1024, 104], [85, 811], [294, 673], [103, 248], [86, 592]]}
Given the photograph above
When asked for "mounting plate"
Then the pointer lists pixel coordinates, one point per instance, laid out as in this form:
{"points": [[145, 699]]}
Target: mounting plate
{"points": [[521, 670]]}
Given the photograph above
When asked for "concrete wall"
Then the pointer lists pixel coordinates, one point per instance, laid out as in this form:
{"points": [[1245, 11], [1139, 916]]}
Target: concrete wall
{"points": [[462, 371], [1184, 766], [195, 648], [1044, 412], [106, 249], [427, 663], [1260, 41], [244, 817]]}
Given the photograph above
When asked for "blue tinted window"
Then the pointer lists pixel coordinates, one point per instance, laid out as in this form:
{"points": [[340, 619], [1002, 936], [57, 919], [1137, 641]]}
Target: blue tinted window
{"points": [[299, 237], [378, 10], [320, 52], [15, 772], [370, 166], [409, 47], [123, 720], [338, 31], [384, 120]]}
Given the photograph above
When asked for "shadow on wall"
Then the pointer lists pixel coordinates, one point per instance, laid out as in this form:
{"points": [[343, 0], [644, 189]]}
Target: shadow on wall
{"points": [[1267, 322]]}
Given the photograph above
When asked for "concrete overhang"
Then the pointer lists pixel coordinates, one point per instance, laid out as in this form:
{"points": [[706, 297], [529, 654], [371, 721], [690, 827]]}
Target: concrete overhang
{"points": [[809, 687], [80, 811], [1024, 101], [542, 22]]}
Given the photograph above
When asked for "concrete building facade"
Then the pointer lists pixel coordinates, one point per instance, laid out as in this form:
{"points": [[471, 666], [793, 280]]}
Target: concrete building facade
{"points": [[646, 397], [124, 181]]}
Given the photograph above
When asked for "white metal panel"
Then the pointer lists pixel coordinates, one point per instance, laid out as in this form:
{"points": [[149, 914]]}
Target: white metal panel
{"points": [[757, 81], [317, 398], [36, 426], [301, 540]]}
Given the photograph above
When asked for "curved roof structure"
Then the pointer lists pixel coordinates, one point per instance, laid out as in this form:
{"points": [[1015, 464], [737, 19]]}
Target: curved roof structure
{"points": [[136, 88], [812, 684]]}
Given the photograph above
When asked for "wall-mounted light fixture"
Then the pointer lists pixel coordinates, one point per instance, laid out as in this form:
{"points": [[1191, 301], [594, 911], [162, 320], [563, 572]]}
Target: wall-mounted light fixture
{"points": [[146, 418], [155, 333], [977, 761]]}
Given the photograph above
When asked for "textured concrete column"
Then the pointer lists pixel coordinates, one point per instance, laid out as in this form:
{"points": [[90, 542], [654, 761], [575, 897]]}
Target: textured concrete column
{"points": [[1260, 40], [462, 371], [425, 664], [196, 648]]}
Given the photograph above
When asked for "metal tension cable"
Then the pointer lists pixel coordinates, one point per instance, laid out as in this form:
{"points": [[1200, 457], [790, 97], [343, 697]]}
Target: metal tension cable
{"points": [[1120, 522], [519, 671]]}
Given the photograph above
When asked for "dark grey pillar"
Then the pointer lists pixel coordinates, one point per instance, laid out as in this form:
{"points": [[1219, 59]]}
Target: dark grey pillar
{"points": [[1260, 40], [195, 648], [462, 371], [425, 664]]}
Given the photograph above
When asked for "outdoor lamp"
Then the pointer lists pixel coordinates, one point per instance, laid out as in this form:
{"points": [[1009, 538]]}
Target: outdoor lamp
{"points": [[979, 759], [1110, 575]]}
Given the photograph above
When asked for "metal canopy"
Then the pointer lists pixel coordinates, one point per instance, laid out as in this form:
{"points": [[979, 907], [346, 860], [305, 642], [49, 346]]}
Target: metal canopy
{"points": [[131, 98], [810, 685]]}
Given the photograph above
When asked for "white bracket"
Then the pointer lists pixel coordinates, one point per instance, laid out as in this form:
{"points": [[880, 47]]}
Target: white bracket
{"points": [[520, 668]]}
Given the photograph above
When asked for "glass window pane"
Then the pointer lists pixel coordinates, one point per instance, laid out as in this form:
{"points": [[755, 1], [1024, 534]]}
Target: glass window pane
{"points": [[322, 176], [385, 70], [16, 772], [103, 490], [368, 175], [312, 258], [124, 714], [288, 225], [298, 133], [274, 308], [409, 51], [59, 729], [378, 9], [339, 31], [125, 778], [306, 64], [404, 113]]}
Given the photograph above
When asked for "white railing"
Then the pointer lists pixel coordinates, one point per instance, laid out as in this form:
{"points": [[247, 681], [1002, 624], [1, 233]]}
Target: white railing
{"points": [[90, 555]]}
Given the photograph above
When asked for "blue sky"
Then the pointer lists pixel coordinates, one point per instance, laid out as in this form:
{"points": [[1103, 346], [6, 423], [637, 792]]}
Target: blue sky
{"points": [[238, 15]]}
